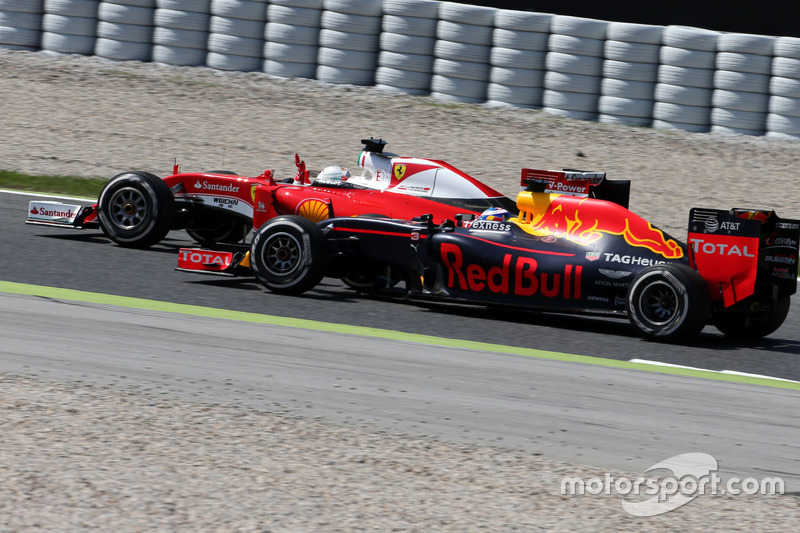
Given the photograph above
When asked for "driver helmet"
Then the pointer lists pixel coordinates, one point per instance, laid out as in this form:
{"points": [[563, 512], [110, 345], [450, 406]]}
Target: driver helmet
{"points": [[334, 173], [496, 214]]}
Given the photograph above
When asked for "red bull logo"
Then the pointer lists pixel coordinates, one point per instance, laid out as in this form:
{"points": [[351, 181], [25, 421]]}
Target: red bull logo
{"points": [[585, 220], [516, 275]]}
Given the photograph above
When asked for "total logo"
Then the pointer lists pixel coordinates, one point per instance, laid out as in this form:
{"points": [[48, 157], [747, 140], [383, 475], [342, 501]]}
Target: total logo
{"points": [[205, 257], [715, 248], [215, 187]]}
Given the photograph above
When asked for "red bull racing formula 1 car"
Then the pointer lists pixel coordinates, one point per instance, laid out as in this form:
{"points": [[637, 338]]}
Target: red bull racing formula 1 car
{"points": [[138, 209], [569, 245]]}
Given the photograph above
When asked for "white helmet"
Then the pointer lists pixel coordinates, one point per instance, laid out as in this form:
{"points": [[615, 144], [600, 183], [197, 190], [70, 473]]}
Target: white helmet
{"points": [[334, 173]]}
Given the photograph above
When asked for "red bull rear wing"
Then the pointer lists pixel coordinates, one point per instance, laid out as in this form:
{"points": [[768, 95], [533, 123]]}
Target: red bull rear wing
{"points": [[742, 252]]}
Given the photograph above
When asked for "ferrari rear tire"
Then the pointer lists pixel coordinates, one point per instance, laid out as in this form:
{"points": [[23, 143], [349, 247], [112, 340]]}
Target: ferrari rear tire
{"points": [[744, 326], [136, 209], [668, 302], [289, 254]]}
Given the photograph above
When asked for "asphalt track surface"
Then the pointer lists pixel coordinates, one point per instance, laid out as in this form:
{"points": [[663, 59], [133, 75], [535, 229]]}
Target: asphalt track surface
{"points": [[623, 418], [87, 261]]}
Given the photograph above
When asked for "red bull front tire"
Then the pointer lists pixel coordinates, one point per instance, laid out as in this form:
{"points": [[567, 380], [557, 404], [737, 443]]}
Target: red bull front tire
{"points": [[289, 254], [668, 303]]}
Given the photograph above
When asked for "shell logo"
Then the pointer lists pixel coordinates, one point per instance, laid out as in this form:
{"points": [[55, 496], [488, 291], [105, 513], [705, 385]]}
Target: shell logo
{"points": [[314, 210]]}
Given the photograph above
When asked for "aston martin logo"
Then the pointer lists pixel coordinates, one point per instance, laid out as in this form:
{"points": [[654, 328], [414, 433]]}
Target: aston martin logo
{"points": [[614, 274], [399, 172], [314, 210]]}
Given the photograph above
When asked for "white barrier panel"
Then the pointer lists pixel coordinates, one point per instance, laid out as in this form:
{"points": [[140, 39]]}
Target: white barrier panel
{"points": [[675, 77]]}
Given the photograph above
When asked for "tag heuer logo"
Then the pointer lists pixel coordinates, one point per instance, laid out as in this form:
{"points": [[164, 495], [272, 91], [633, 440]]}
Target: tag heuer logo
{"points": [[592, 256], [399, 172]]}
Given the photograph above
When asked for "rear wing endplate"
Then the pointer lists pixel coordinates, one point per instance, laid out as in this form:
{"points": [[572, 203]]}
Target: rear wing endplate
{"points": [[737, 250]]}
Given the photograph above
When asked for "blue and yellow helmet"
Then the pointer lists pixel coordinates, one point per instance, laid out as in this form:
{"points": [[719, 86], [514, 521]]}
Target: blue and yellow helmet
{"points": [[496, 214]]}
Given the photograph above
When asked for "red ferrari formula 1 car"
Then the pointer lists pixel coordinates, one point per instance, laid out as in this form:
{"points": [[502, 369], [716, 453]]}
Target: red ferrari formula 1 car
{"points": [[138, 209], [574, 246]]}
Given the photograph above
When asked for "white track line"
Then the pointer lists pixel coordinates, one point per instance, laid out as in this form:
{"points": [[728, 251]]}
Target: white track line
{"points": [[734, 372], [41, 195]]}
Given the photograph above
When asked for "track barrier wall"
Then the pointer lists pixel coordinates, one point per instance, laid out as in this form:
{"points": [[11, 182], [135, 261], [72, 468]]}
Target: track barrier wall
{"points": [[671, 77]]}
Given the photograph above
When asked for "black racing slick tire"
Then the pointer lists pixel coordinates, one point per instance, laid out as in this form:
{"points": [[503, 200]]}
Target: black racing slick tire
{"points": [[219, 228], [668, 303], [136, 209], [289, 254], [747, 326], [371, 278]]}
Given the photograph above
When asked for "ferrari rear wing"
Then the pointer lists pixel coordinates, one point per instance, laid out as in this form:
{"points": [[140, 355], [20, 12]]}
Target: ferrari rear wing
{"points": [[742, 252]]}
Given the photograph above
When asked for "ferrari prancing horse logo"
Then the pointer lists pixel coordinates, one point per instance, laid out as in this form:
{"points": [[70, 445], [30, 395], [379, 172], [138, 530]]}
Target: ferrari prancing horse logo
{"points": [[399, 172]]}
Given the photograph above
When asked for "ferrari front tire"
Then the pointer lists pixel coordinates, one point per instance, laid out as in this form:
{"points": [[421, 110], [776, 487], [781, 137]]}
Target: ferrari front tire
{"points": [[136, 209], [289, 254], [668, 302]]}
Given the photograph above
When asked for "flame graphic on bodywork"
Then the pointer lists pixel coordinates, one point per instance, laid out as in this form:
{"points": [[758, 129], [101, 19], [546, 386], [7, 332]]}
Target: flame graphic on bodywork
{"points": [[585, 220]]}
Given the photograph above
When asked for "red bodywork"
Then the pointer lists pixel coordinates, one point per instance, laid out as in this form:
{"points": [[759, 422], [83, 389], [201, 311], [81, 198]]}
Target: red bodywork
{"points": [[261, 198]]}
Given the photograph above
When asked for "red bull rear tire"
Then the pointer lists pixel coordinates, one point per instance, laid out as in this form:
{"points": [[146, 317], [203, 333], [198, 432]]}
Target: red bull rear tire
{"points": [[668, 303], [745, 326]]}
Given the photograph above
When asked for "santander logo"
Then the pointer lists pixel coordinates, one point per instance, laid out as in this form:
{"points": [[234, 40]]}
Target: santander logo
{"points": [[52, 212], [215, 186]]}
